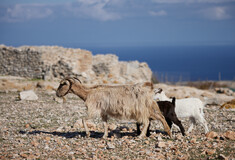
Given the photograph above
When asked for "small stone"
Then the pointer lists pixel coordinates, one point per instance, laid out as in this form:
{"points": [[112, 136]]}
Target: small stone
{"points": [[159, 138], [101, 145], [23, 155], [161, 145], [184, 157], [91, 125], [34, 143], [178, 152], [27, 125], [211, 134], [60, 129], [146, 142], [47, 147], [229, 135], [124, 129], [194, 140], [48, 138], [71, 153], [112, 127], [210, 152], [110, 146], [160, 156]]}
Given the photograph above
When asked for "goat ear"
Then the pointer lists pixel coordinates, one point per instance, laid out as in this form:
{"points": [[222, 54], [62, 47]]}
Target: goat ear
{"points": [[159, 90]]}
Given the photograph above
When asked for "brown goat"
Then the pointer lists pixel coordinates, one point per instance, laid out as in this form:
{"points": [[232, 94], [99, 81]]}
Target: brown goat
{"points": [[122, 102]]}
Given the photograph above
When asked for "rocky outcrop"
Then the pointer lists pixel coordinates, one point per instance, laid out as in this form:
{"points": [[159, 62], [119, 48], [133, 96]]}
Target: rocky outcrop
{"points": [[108, 67], [50, 62], [209, 97]]}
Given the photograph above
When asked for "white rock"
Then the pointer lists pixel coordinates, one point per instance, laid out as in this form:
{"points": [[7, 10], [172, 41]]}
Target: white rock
{"points": [[28, 95], [110, 146]]}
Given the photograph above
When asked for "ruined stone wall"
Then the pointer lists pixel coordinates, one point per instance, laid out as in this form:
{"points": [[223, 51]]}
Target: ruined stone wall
{"points": [[49, 62], [24, 63]]}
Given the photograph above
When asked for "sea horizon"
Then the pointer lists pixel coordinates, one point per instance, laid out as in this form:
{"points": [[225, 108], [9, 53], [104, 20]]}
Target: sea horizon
{"points": [[179, 63], [174, 63]]}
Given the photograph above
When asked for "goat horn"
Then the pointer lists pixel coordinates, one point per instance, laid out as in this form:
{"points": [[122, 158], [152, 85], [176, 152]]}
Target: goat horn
{"points": [[77, 79], [70, 79]]}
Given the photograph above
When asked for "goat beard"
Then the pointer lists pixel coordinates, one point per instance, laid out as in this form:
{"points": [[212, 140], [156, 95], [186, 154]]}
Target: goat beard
{"points": [[64, 99]]}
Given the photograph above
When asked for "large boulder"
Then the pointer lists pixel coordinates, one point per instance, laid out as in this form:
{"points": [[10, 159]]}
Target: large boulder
{"points": [[28, 95]]}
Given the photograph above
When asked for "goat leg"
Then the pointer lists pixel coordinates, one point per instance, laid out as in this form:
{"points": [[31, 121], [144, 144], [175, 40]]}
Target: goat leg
{"points": [[148, 130], [192, 121], [143, 133], [158, 115], [86, 128], [138, 128], [165, 125], [203, 122], [178, 123], [105, 119]]}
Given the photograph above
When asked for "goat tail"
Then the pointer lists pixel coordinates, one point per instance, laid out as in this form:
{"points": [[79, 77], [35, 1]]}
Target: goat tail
{"points": [[201, 109], [173, 101], [149, 84]]}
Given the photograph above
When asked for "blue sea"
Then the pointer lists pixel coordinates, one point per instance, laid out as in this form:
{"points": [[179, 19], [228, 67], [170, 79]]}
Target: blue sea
{"points": [[180, 63]]}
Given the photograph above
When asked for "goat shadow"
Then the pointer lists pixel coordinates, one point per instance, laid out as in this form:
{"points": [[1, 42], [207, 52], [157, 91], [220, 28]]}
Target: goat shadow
{"points": [[93, 134]]}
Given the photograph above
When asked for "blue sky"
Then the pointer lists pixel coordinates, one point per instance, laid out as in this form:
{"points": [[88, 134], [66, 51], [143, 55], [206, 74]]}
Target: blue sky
{"points": [[117, 22]]}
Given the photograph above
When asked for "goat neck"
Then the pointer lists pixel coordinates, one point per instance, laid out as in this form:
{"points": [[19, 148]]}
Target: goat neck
{"points": [[80, 90]]}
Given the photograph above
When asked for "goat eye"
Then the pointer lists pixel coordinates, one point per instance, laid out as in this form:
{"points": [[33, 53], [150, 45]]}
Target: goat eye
{"points": [[66, 83]]}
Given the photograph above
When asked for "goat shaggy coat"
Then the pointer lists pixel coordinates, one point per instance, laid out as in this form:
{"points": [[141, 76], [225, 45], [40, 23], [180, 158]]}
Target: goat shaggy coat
{"points": [[168, 110], [121, 102]]}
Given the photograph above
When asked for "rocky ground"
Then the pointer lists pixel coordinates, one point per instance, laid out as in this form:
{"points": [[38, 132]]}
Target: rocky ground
{"points": [[49, 129]]}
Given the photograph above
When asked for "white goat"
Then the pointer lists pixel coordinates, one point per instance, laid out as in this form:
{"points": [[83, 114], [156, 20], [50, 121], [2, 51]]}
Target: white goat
{"points": [[122, 102], [187, 107]]}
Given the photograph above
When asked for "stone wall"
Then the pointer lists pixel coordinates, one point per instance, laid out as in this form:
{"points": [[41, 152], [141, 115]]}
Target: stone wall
{"points": [[25, 63], [50, 62]]}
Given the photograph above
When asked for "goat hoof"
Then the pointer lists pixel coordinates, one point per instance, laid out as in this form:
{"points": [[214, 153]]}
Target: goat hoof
{"points": [[105, 136], [141, 136], [170, 134], [88, 135]]}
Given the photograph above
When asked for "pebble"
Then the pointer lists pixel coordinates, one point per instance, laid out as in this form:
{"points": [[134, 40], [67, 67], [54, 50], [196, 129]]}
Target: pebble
{"points": [[210, 152], [212, 134], [110, 146], [161, 144], [194, 140], [230, 135]]}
